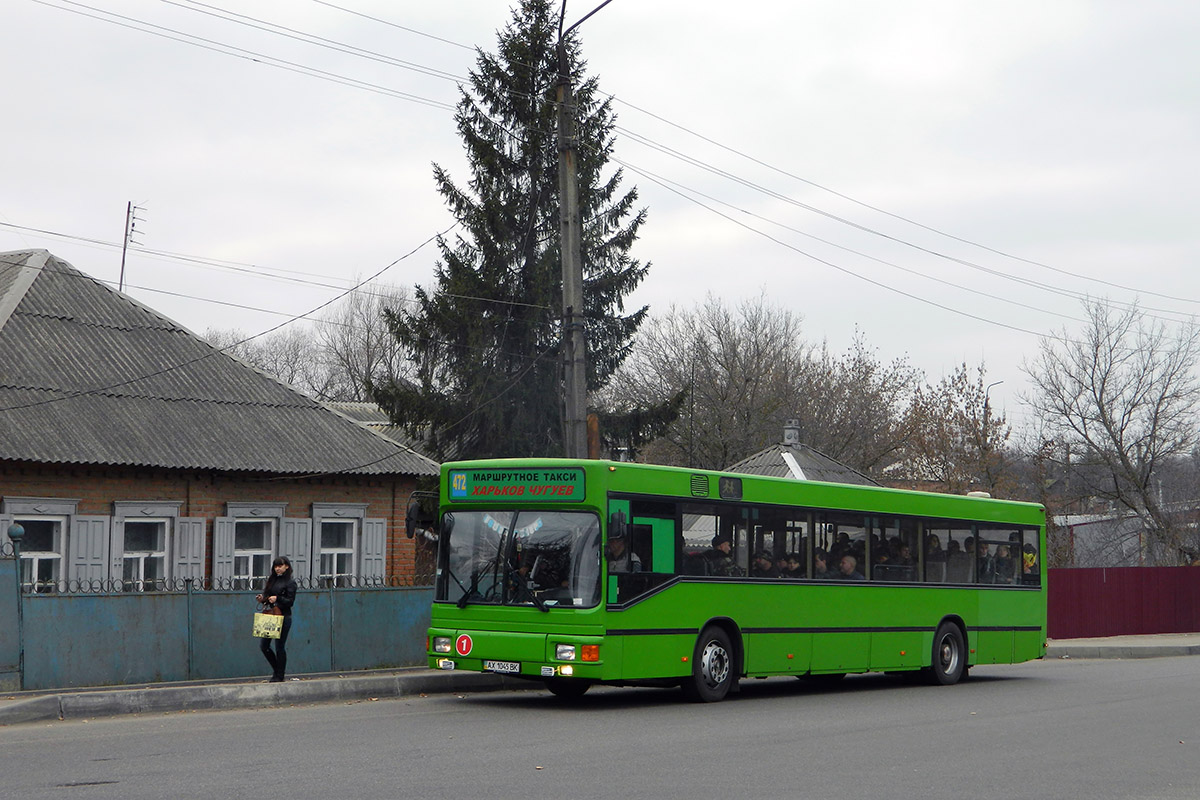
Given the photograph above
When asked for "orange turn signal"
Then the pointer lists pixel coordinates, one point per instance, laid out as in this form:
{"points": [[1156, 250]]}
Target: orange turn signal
{"points": [[590, 652]]}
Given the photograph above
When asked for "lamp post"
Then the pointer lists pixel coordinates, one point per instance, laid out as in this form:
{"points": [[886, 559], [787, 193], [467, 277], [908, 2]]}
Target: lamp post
{"points": [[16, 532], [987, 389], [985, 446]]}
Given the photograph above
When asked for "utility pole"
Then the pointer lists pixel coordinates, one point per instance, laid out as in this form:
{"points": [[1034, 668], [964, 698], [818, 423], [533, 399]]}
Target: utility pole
{"points": [[570, 253]]}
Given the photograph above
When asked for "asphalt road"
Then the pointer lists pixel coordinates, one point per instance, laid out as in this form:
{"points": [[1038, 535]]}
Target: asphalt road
{"points": [[1090, 729]]}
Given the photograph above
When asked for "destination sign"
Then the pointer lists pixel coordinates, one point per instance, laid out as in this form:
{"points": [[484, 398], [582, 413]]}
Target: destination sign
{"points": [[555, 485]]}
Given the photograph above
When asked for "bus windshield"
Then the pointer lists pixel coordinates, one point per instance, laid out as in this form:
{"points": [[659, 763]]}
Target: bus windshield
{"points": [[539, 558]]}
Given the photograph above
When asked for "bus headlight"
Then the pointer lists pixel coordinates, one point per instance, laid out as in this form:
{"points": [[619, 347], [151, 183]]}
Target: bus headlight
{"points": [[441, 644], [564, 652]]}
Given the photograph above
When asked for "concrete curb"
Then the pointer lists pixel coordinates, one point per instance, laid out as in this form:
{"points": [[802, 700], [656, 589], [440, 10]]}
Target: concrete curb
{"points": [[332, 688], [1120, 651], [88, 704]]}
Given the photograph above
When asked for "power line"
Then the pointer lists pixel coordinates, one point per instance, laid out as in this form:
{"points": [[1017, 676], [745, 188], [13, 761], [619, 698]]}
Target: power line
{"points": [[827, 263], [239, 52], [638, 138], [215, 350], [663, 180], [896, 216], [866, 229]]}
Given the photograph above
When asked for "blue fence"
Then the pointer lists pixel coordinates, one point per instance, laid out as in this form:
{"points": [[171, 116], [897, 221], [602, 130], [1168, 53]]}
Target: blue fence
{"points": [[106, 639]]}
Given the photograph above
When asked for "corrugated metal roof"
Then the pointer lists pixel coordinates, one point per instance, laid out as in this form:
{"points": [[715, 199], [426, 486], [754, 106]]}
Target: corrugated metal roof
{"points": [[816, 465], [91, 376]]}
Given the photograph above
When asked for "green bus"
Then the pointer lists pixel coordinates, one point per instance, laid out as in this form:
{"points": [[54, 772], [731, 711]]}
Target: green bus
{"points": [[578, 572]]}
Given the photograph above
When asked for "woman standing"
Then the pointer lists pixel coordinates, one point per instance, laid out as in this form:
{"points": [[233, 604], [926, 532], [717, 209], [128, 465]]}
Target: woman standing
{"points": [[279, 591]]}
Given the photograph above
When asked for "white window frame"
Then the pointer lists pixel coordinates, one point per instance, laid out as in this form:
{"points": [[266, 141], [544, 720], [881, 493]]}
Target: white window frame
{"points": [[164, 513], [161, 553], [52, 509], [353, 513], [244, 576]]}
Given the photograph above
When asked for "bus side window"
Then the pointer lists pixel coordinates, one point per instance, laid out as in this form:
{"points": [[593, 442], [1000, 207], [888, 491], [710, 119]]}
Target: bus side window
{"points": [[643, 545]]}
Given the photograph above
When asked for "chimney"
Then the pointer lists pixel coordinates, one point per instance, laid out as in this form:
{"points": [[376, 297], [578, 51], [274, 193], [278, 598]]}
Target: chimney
{"points": [[791, 432]]}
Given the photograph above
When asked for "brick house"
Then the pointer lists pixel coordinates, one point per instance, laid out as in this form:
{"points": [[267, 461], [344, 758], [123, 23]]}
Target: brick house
{"points": [[138, 456]]}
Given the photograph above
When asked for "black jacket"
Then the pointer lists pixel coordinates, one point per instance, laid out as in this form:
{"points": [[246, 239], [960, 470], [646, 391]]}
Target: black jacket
{"points": [[284, 590]]}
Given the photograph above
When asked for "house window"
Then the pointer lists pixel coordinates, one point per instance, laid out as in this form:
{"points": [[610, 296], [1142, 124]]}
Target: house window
{"points": [[339, 540], [41, 553], [153, 548], [145, 558], [253, 551]]}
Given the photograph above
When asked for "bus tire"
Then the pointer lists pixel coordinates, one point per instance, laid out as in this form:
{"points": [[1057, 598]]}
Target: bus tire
{"points": [[949, 662], [712, 667], [567, 688]]}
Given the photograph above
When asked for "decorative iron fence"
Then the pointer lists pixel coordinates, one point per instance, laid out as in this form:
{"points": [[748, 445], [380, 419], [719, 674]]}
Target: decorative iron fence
{"points": [[183, 585]]}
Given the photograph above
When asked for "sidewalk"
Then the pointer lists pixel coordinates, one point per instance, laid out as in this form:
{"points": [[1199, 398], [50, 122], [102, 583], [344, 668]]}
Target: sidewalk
{"points": [[230, 693], [1157, 645], [45, 706]]}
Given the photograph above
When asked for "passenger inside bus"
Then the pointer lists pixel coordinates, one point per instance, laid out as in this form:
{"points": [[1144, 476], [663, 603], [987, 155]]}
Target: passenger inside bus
{"points": [[764, 565], [848, 569], [820, 565], [720, 557], [793, 566], [620, 557]]}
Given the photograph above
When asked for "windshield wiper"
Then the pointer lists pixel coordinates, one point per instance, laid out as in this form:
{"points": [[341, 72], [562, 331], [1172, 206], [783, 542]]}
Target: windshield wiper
{"points": [[527, 586], [466, 598]]}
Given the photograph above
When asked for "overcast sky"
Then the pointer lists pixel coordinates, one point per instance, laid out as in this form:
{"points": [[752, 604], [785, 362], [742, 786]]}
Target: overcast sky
{"points": [[1057, 142]]}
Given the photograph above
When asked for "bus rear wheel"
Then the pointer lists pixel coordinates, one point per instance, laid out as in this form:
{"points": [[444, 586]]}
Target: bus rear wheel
{"points": [[949, 662], [712, 667], [567, 688]]}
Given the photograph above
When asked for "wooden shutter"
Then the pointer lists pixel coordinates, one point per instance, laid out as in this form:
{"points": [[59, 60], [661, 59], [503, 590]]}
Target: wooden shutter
{"points": [[87, 552], [116, 549], [188, 551], [374, 548], [296, 542], [223, 528]]}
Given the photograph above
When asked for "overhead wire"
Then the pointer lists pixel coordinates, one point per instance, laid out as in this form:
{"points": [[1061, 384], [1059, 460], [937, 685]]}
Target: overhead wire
{"points": [[312, 39], [631, 134], [695, 192], [842, 195], [218, 350], [238, 52], [900, 217]]}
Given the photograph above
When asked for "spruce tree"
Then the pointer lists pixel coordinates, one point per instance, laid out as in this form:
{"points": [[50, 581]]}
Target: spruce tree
{"points": [[486, 340]]}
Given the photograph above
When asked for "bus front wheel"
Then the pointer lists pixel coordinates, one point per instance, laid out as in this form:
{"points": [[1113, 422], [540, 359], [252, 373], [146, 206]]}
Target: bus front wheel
{"points": [[712, 667], [949, 655]]}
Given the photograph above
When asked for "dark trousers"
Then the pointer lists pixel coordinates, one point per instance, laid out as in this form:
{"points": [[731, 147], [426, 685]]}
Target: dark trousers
{"points": [[278, 659]]}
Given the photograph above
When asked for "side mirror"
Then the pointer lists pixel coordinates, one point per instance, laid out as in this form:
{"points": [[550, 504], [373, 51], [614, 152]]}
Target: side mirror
{"points": [[410, 519], [618, 526]]}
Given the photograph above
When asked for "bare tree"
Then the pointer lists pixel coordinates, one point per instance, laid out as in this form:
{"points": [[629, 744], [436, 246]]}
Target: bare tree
{"points": [[1123, 395], [292, 355], [335, 359], [356, 344], [852, 407], [739, 368], [956, 440]]}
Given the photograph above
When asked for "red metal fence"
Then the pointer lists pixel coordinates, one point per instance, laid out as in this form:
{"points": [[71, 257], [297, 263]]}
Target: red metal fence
{"points": [[1123, 600]]}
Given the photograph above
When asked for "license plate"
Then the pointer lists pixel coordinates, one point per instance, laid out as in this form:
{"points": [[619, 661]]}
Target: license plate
{"points": [[502, 666]]}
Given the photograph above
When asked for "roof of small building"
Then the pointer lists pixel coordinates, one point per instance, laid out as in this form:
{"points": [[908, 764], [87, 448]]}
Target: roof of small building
{"points": [[815, 465], [89, 375]]}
